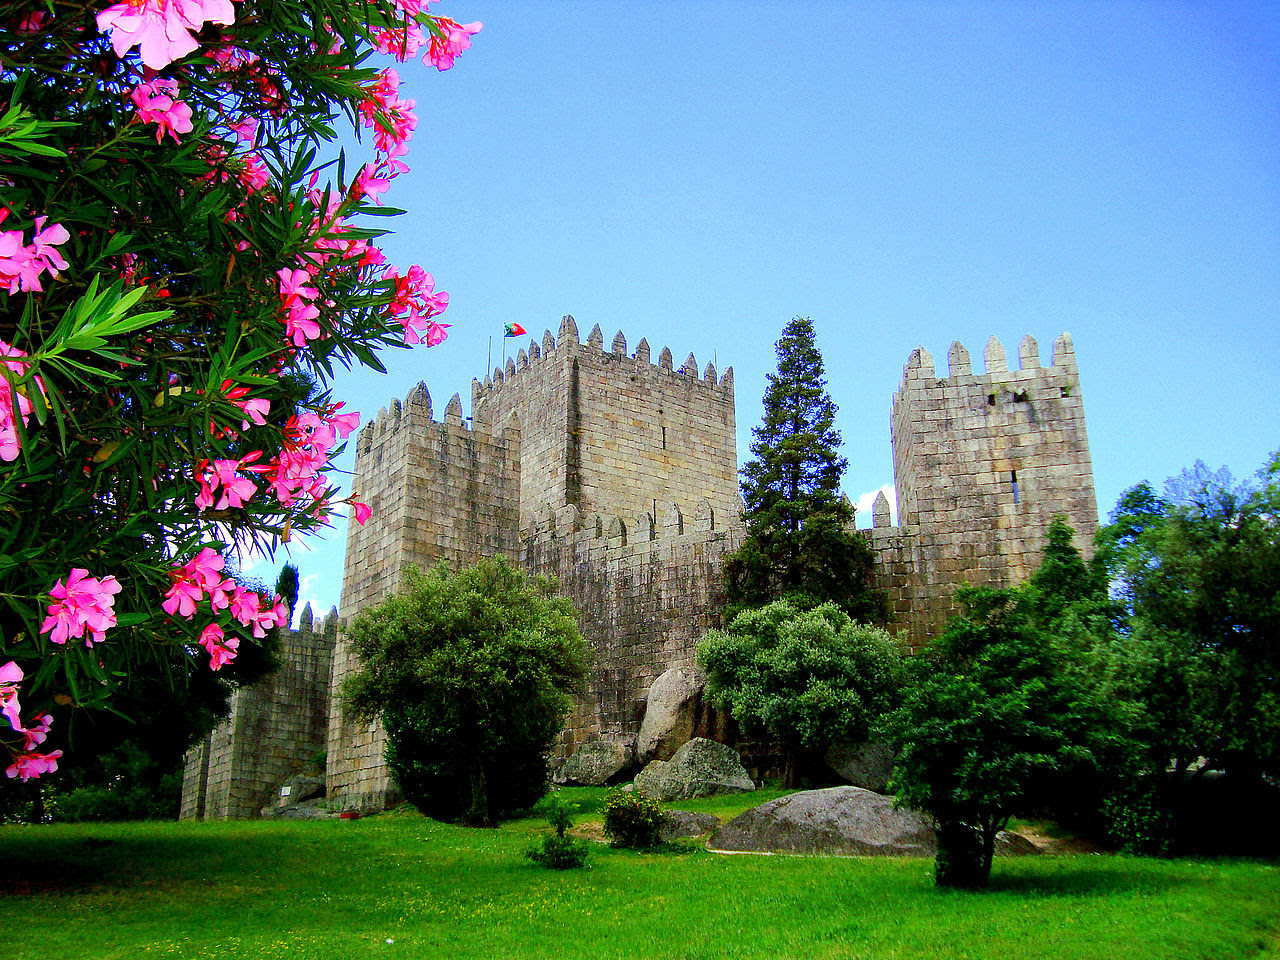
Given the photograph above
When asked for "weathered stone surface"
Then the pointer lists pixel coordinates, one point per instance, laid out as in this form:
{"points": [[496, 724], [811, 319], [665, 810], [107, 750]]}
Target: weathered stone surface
{"points": [[867, 765], [669, 713], [686, 823], [599, 761], [314, 809], [840, 821], [700, 768]]}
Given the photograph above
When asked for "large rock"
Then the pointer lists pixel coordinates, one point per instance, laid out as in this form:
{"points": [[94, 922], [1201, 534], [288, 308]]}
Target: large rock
{"points": [[700, 768], [868, 764], [685, 823], [599, 761], [298, 788], [670, 714], [839, 821]]}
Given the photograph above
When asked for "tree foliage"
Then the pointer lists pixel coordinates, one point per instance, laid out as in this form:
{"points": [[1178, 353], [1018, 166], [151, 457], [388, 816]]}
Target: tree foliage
{"points": [[180, 262], [1005, 712], [806, 678], [798, 544], [1197, 581], [471, 675]]}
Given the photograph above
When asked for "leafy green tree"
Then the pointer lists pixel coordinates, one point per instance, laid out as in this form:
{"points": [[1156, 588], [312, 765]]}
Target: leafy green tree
{"points": [[1000, 718], [471, 675], [798, 544], [1197, 576], [806, 678]]}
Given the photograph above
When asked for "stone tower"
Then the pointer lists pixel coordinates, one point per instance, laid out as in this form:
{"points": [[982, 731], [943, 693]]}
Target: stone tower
{"points": [[983, 462], [614, 474]]}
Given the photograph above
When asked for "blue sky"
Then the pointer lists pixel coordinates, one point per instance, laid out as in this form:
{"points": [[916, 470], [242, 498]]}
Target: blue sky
{"points": [[903, 173]]}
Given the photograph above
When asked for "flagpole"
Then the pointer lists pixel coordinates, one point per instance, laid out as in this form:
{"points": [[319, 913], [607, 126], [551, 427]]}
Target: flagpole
{"points": [[488, 360]]}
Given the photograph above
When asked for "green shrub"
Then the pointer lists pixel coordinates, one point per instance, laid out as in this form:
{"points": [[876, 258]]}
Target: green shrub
{"points": [[557, 851], [1137, 821], [632, 819]]}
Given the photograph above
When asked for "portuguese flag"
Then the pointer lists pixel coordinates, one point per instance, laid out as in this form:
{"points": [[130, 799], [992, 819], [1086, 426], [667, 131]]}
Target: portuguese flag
{"points": [[515, 330]]}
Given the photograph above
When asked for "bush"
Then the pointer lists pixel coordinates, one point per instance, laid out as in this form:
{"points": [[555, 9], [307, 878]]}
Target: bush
{"points": [[632, 819], [557, 851], [1138, 821], [472, 676]]}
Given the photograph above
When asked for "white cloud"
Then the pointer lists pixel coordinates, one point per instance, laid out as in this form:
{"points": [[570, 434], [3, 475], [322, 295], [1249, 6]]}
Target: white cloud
{"points": [[864, 502]]}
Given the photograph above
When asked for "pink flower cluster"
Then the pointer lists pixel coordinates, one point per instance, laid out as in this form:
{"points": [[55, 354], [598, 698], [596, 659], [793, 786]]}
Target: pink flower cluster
{"points": [[298, 300], [22, 263], [309, 440], [83, 603], [457, 37], [414, 303], [201, 578], [157, 103], [224, 475], [14, 402], [27, 763], [161, 29]]}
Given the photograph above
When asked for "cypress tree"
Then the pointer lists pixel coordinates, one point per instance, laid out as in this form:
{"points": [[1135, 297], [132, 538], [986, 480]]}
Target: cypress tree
{"points": [[799, 546]]}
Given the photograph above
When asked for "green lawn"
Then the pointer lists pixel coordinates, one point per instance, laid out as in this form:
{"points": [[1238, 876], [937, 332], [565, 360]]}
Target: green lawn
{"points": [[339, 889]]}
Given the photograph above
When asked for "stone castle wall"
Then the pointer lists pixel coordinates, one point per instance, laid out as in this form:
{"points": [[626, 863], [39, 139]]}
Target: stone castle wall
{"points": [[983, 462], [618, 476], [439, 491], [276, 728], [645, 596]]}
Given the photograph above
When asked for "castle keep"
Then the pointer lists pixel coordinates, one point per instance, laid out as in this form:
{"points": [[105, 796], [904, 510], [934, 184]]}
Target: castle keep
{"points": [[618, 476]]}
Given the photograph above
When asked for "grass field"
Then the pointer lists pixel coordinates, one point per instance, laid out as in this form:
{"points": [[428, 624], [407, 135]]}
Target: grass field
{"points": [[404, 886]]}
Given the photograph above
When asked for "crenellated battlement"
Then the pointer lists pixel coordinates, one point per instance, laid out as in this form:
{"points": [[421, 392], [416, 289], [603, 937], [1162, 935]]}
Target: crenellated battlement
{"points": [[983, 462], [920, 364], [637, 364]]}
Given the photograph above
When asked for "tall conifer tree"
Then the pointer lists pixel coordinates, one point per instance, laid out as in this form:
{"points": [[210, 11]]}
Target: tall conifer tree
{"points": [[798, 544]]}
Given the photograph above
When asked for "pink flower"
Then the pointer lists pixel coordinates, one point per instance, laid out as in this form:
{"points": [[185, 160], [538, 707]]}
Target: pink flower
{"points": [[10, 677], [21, 265], [191, 581], [156, 27], [369, 184], [161, 29], [457, 37], [31, 765], [156, 102], [14, 403], [37, 731], [222, 649], [361, 511], [84, 603]]}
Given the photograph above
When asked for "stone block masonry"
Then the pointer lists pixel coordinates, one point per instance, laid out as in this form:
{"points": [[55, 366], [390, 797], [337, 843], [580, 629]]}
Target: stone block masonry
{"points": [[618, 476], [276, 728], [982, 465]]}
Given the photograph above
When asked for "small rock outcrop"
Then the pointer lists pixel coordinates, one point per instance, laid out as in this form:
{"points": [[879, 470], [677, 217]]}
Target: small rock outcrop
{"points": [[840, 821], [598, 762], [686, 823], [670, 714], [296, 790], [700, 768], [868, 764]]}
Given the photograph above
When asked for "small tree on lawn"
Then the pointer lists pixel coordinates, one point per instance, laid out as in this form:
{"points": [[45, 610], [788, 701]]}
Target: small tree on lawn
{"points": [[798, 544], [998, 716], [805, 678], [471, 674]]}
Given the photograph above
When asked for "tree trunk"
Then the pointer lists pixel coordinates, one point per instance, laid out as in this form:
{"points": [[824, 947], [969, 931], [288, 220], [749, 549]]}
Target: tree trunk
{"points": [[478, 815], [964, 855]]}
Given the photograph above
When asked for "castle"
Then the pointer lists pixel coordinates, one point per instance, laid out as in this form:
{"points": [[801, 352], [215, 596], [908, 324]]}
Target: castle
{"points": [[618, 476]]}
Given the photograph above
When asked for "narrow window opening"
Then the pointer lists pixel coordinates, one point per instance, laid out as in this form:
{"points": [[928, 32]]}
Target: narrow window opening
{"points": [[1013, 477], [1066, 391], [664, 438], [1020, 397], [991, 399]]}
